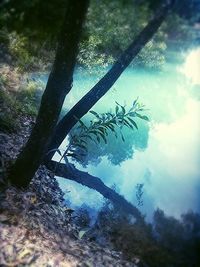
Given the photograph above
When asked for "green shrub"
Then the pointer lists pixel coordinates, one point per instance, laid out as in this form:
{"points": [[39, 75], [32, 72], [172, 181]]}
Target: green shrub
{"points": [[19, 49], [25, 54], [28, 98], [13, 105], [8, 121]]}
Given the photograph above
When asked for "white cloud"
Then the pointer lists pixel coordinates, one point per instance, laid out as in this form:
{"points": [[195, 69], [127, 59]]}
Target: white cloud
{"points": [[191, 68]]}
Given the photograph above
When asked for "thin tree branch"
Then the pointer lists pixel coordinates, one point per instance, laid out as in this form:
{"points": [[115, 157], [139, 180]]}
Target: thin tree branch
{"points": [[84, 178]]}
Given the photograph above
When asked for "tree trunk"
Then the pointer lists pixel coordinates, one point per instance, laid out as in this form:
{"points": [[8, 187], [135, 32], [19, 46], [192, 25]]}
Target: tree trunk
{"points": [[59, 84], [102, 87], [84, 178]]}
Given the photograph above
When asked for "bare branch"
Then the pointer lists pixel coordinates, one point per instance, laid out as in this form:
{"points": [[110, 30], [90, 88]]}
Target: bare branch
{"points": [[84, 178]]}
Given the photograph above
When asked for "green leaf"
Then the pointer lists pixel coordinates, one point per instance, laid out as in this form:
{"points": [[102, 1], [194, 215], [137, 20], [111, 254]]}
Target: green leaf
{"points": [[81, 122], [123, 139], [123, 110], [93, 132], [129, 125], [143, 117], [83, 141], [111, 127], [82, 146], [122, 107], [134, 123], [66, 159], [132, 114], [102, 129], [116, 109], [135, 102], [95, 114], [98, 139], [77, 156], [90, 137], [103, 137]]}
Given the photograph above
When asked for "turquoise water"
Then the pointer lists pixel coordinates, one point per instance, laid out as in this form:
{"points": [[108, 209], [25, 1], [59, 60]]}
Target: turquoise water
{"points": [[164, 154]]}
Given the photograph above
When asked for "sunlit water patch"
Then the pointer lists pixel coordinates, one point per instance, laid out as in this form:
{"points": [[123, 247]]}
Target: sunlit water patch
{"points": [[191, 67], [164, 155]]}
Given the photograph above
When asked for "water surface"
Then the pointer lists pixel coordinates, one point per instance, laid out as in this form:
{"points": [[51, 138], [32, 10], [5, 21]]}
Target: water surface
{"points": [[164, 154]]}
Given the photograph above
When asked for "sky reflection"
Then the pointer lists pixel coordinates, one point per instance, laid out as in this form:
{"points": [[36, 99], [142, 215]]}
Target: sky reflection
{"points": [[167, 160]]}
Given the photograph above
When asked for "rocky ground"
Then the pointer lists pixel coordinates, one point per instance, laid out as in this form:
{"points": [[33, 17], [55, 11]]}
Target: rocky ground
{"points": [[36, 229]]}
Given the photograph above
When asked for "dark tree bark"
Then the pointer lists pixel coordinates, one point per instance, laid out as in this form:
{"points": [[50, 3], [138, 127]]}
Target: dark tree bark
{"points": [[102, 87], [84, 178], [59, 84]]}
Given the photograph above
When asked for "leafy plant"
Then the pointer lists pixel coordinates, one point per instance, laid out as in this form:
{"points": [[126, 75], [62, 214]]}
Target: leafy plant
{"points": [[29, 97], [100, 127], [13, 104]]}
